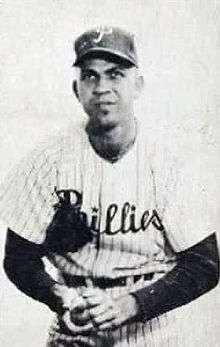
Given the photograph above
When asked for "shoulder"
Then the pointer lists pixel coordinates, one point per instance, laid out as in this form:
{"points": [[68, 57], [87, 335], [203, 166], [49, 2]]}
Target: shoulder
{"points": [[67, 141], [163, 162], [156, 147], [41, 163]]}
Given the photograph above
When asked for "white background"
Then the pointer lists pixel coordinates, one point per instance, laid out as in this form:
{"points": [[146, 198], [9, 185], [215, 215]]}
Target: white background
{"points": [[178, 44]]}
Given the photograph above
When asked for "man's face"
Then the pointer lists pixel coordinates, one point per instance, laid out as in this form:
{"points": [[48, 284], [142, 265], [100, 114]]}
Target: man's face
{"points": [[107, 91]]}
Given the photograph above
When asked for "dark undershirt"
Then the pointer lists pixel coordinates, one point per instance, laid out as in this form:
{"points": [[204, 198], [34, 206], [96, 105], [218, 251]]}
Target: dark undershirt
{"points": [[196, 272]]}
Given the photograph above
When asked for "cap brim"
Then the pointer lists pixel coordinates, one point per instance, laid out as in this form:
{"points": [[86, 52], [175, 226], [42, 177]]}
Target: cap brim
{"points": [[105, 52]]}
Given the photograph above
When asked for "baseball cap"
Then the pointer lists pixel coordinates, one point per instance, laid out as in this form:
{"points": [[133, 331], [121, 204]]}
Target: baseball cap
{"points": [[106, 41]]}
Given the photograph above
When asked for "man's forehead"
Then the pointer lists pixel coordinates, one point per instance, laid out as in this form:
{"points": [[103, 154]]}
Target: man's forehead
{"points": [[100, 64]]}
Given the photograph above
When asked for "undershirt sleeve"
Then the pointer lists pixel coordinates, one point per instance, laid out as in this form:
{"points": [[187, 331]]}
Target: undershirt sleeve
{"points": [[24, 267], [196, 272]]}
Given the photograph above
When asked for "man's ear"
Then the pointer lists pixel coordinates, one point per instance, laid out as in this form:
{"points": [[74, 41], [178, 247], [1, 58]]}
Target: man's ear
{"points": [[139, 84], [75, 89]]}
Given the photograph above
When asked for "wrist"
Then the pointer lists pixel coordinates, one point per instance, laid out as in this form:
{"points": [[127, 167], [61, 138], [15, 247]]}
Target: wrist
{"points": [[55, 301], [133, 305], [129, 306], [66, 296]]}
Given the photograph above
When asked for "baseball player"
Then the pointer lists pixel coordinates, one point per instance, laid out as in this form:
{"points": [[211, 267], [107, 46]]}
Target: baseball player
{"points": [[130, 232]]}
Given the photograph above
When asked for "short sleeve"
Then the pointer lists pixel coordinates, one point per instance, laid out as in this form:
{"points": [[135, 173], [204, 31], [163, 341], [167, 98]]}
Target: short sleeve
{"points": [[192, 205], [26, 196]]}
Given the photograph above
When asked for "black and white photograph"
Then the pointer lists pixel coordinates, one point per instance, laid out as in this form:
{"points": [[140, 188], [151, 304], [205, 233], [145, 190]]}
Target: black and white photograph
{"points": [[109, 176]]}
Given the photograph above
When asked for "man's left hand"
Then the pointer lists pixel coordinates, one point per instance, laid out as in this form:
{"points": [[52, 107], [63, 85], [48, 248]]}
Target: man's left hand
{"points": [[107, 312]]}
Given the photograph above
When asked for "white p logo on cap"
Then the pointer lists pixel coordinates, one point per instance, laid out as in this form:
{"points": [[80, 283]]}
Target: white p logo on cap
{"points": [[101, 32]]}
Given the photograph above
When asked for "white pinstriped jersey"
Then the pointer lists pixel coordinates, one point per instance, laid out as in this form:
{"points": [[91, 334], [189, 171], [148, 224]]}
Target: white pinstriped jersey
{"points": [[140, 208]]}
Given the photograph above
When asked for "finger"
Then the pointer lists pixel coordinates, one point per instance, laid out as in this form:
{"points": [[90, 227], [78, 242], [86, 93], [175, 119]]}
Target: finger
{"points": [[102, 318], [107, 325], [67, 322], [65, 293], [90, 292], [97, 310], [96, 300], [73, 327], [81, 318], [112, 324], [79, 304]]}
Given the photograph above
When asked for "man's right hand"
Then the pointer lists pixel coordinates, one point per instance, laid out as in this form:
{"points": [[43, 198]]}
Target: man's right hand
{"points": [[77, 323], [76, 317]]}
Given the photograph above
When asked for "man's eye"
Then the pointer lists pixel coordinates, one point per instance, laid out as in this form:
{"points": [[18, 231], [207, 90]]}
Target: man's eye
{"points": [[89, 76], [116, 74]]}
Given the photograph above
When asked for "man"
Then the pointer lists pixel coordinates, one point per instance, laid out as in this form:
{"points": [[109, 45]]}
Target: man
{"points": [[125, 230]]}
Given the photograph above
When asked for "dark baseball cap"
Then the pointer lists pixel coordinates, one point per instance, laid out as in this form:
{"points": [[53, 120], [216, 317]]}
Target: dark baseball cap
{"points": [[109, 42]]}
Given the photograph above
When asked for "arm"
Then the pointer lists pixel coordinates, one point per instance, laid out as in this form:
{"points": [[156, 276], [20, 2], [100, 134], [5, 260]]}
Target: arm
{"points": [[24, 267], [196, 272]]}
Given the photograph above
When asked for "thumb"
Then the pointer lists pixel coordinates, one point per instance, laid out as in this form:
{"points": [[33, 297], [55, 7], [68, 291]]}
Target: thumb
{"points": [[78, 304]]}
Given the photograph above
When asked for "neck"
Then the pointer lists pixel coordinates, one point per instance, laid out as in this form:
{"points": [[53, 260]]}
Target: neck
{"points": [[112, 143]]}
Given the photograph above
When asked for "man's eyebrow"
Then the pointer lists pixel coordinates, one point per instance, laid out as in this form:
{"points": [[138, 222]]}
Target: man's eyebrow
{"points": [[115, 68], [108, 70], [88, 71]]}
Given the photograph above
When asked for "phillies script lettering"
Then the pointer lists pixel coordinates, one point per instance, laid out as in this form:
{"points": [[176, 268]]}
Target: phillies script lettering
{"points": [[125, 216]]}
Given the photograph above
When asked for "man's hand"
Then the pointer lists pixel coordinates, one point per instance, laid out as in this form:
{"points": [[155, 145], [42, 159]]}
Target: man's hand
{"points": [[68, 296], [95, 310], [109, 313], [77, 324], [76, 317]]}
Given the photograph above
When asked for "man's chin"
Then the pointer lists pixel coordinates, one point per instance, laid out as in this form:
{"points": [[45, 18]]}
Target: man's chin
{"points": [[102, 125], [107, 122], [108, 126]]}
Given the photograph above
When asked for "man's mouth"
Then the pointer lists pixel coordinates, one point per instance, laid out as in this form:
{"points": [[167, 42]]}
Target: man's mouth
{"points": [[104, 103]]}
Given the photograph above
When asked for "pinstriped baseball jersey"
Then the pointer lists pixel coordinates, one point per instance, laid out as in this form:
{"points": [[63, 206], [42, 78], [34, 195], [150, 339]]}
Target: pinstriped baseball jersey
{"points": [[140, 208], [126, 203]]}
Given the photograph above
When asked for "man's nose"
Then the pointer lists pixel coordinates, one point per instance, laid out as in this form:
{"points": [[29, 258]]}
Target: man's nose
{"points": [[102, 86]]}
